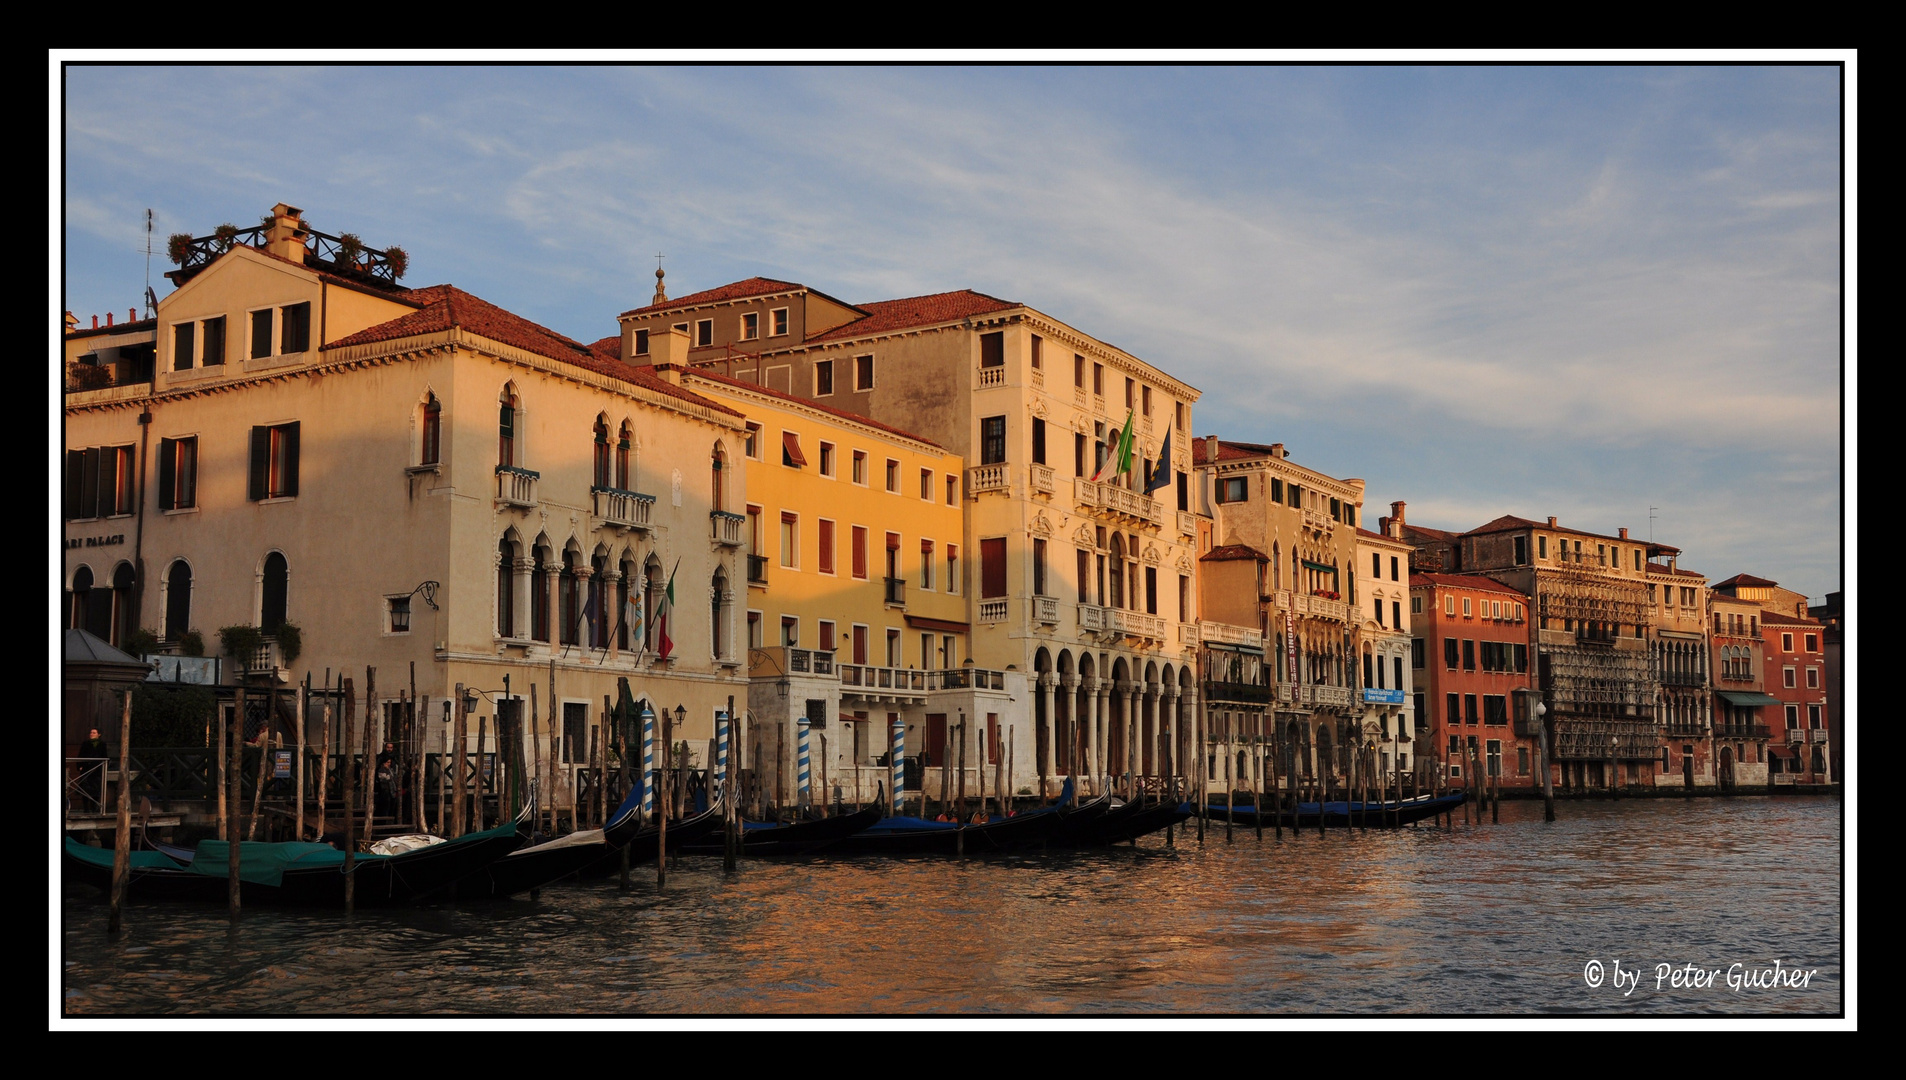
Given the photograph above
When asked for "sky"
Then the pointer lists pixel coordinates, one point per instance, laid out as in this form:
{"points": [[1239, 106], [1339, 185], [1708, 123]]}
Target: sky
{"points": [[1612, 294]]}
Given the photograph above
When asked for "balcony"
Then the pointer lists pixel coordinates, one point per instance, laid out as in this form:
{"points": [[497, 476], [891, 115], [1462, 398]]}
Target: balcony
{"points": [[1330, 696], [993, 611], [1694, 730], [789, 660], [1741, 731], [1320, 521], [1114, 500], [1188, 634], [882, 683], [623, 509], [1321, 607], [966, 678], [516, 487], [757, 569], [1187, 523], [725, 528], [1045, 609], [1818, 735], [1681, 678], [993, 477], [1226, 634], [1104, 620], [992, 376], [896, 591], [1042, 482], [1237, 692]]}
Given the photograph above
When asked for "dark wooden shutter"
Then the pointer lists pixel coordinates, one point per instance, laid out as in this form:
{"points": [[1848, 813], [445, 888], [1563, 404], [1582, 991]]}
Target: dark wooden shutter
{"points": [[75, 484], [291, 458], [992, 349], [105, 486], [1039, 440], [260, 461], [167, 452], [261, 334], [992, 558]]}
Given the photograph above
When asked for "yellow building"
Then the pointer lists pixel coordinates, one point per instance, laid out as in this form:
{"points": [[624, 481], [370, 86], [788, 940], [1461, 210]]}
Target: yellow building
{"points": [[409, 476], [857, 607]]}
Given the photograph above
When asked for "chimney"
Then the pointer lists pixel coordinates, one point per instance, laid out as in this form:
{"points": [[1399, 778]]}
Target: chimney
{"points": [[132, 314], [1624, 533], [1210, 448], [109, 318], [1277, 450], [1551, 521], [669, 348], [286, 238], [72, 322], [95, 322]]}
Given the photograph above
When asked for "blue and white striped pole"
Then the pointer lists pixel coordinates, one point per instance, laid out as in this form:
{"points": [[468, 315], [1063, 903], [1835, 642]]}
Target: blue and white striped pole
{"points": [[721, 751], [897, 764], [801, 726], [648, 760]]}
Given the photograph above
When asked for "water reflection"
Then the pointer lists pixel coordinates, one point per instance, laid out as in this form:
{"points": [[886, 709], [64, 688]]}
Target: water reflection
{"points": [[1483, 919]]}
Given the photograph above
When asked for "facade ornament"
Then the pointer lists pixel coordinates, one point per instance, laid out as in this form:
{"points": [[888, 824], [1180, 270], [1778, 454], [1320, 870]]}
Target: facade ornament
{"points": [[1084, 538], [1151, 554], [675, 488], [1040, 526]]}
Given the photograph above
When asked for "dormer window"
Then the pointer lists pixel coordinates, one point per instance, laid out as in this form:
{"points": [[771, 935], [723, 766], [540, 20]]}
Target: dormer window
{"points": [[750, 325]]}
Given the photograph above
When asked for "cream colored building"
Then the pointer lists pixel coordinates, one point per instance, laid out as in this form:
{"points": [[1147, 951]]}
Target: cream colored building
{"points": [[1387, 686], [1085, 589], [414, 477]]}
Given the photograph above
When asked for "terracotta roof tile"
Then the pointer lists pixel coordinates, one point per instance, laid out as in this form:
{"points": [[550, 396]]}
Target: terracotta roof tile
{"points": [[888, 315], [1464, 581], [1775, 618], [1229, 450], [735, 290], [1748, 580], [1654, 568], [1231, 552], [702, 373]]}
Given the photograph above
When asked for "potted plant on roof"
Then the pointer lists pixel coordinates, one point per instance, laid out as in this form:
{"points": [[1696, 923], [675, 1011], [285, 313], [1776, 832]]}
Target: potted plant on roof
{"points": [[178, 247], [224, 237], [348, 249], [398, 260]]}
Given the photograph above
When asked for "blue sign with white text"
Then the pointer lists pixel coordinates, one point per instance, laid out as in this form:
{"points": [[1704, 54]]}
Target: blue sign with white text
{"points": [[1382, 697]]}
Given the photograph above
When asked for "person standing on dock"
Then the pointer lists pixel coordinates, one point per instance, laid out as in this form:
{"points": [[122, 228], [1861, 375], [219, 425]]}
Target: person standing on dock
{"points": [[92, 769]]}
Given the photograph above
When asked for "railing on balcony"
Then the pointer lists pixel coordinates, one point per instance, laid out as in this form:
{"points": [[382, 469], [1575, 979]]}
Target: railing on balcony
{"points": [[1339, 696], [1226, 634], [725, 528], [82, 377], [1682, 678], [993, 611], [516, 487], [623, 509], [1187, 523], [1078, 396], [1038, 379], [965, 678], [896, 593], [994, 477], [992, 376], [757, 569], [1606, 740], [1318, 606], [871, 680], [1817, 735], [1690, 730], [789, 660], [1042, 481], [1045, 609], [1249, 693], [1116, 500], [1188, 634], [1106, 620]]}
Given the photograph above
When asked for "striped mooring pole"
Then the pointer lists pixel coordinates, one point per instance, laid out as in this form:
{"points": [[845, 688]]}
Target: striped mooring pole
{"points": [[801, 726], [648, 761], [721, 751], [899, 777]]}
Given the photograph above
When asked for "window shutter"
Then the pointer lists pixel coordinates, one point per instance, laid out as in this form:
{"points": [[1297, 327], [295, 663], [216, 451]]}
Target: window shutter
{"points": [[291, 458], [167, 452], [260, 459], [105, 462], [75, 484], [261, 334], [992, 557]]}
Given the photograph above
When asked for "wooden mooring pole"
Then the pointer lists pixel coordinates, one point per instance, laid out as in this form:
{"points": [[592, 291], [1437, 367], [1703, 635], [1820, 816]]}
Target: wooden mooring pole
{"points": [[348, 780], [122, 832], [231, 819]]}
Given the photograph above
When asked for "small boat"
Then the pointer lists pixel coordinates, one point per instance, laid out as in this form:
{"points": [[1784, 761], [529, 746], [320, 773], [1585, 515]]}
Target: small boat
{"points": [[644, 842], [1344, 814], [1126, 821], [918, 836], [537, 865], [796, 838]]}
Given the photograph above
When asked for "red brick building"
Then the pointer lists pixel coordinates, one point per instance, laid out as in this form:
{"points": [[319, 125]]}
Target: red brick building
{"points": [[1469, 653], [1795, 674]]}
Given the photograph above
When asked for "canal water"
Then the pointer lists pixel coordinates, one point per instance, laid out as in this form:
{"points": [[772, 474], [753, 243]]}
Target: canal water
{"points": [[1520, 917]]}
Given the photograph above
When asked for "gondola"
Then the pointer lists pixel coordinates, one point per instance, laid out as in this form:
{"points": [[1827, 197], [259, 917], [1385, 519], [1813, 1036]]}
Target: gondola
{"points": [[1343, 814], [536, 865], [918, 836], [796, 838], [644, 842], [1128, 821], [299, 873]]}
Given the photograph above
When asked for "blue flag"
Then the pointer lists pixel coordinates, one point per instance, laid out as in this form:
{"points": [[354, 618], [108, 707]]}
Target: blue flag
{"points": [[1161, 472]]}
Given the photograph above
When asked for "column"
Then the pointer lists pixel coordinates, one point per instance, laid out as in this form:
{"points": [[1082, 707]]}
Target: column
{"points": [[1069, 683], [1168, 731], [1098, 688], [610, 614], [1048, 725], [1129, 725], [519, 597]]}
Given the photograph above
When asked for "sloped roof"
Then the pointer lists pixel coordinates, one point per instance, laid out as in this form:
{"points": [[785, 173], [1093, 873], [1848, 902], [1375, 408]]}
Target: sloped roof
{"points": [[1656, 568], [1747, 579], [446, 306], [1233, 552], [1229, 450], [734, 290], [1775, 618], [80, 646], [1464, 581], [702, 373], [888, 315], [1510, 521], [1427, 533]]}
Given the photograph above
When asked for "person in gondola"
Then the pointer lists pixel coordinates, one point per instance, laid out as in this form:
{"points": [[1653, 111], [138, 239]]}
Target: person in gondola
{"points": [[92, 768], [386, 787]]}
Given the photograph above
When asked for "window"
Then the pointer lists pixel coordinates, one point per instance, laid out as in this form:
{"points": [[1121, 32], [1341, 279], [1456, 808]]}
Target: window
{"points": [[1098, 379], [1793, 717], [778, 322], [1396, 614], [295, 335], [863, 373], [1129, 394], [860, 643], [575, 731], [1541, 547], [1379, 610], [178, 473], [261, 327], [1813, 678], [992, 440], [274, 462], [1078, 371], [893, 476], [273, 590], [1296, 495], [624, 439], [893, 648], [538, 597], [1234, 489], [1469, 708], [1416, 605], [825, 557], [1786, 643], [1786, 677], [1469, 654], [926, 564], [1813, 642], [992, 349], [750, 325], [1038, 352], [704, 332], [183, 337], [790, 538], [1522, 550], [178, 599], [600, 453], [1495, 610], [641, 343], [860, 468], [827, 459], [952, 568], [1038, 441], [1416, 652], [1449, 605], [1451, 653], [1151, 589], [1465, 607], [1495, 709], [926, 485], [1178, 415], [823, 378], [431, 449], [926, 650], [790, 630], [791, 455], [1393, 569], [506, 428], [1184, 598], [1376, 566], [952, 491], [1078, 456], [992, 565], [751, 445], [1813, 717], [1452, 714], [860, 556], [215, 341]]}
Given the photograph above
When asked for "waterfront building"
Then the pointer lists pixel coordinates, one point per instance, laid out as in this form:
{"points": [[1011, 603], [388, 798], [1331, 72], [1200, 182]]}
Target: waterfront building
{"points": [[1233, 676], [1383, 625], [1304, 522], [1832, 617], [1740, 732], [1470, 648], [1795, 676], [1588, 629], [856, 614], [1080, 578], [373, 475], [1678, 662]]}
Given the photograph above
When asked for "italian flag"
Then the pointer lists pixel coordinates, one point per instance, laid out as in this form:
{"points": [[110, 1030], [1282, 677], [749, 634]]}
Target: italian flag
{"points": [[663, 610], [1119, 460]]}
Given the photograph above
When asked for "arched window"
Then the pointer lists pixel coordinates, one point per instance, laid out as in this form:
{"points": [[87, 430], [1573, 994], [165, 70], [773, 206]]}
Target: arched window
{"points": [[718, 614], [122, 604], [433, 432], [600, 615], [602, 452], [79, 597], [178, 599], [539, 595], [1118, 571], [569, 594], [719, 459], [622, 458], [271, 606], [625, 610], [506, 427], [505, 589]]}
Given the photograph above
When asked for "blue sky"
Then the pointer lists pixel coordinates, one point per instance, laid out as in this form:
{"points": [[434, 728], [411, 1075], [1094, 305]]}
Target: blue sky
{"points": [[1580, 291]]}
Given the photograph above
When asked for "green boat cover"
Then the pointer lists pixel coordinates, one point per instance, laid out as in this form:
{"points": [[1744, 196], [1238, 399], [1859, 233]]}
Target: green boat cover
{"points": [[265, 863], [103, 857]]}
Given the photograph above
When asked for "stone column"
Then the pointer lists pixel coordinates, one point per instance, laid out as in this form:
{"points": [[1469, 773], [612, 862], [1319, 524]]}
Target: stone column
{"points": [[1070, 684], [1098, 688], [519, 597], [1048, 726], [1129, 724], [610, 613], [1150, 722], [1167, 731]]}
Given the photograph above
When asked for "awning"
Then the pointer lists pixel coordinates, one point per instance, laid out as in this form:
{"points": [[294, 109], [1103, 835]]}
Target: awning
{"points": [[921, 622], [1781, 751], [1747, 697], [1320, 566], [791, 446]]}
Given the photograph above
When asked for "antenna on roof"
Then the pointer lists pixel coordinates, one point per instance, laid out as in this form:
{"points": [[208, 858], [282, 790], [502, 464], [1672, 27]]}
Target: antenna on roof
{"points": [[152, 305], [661, 291], [1651, 523]]}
